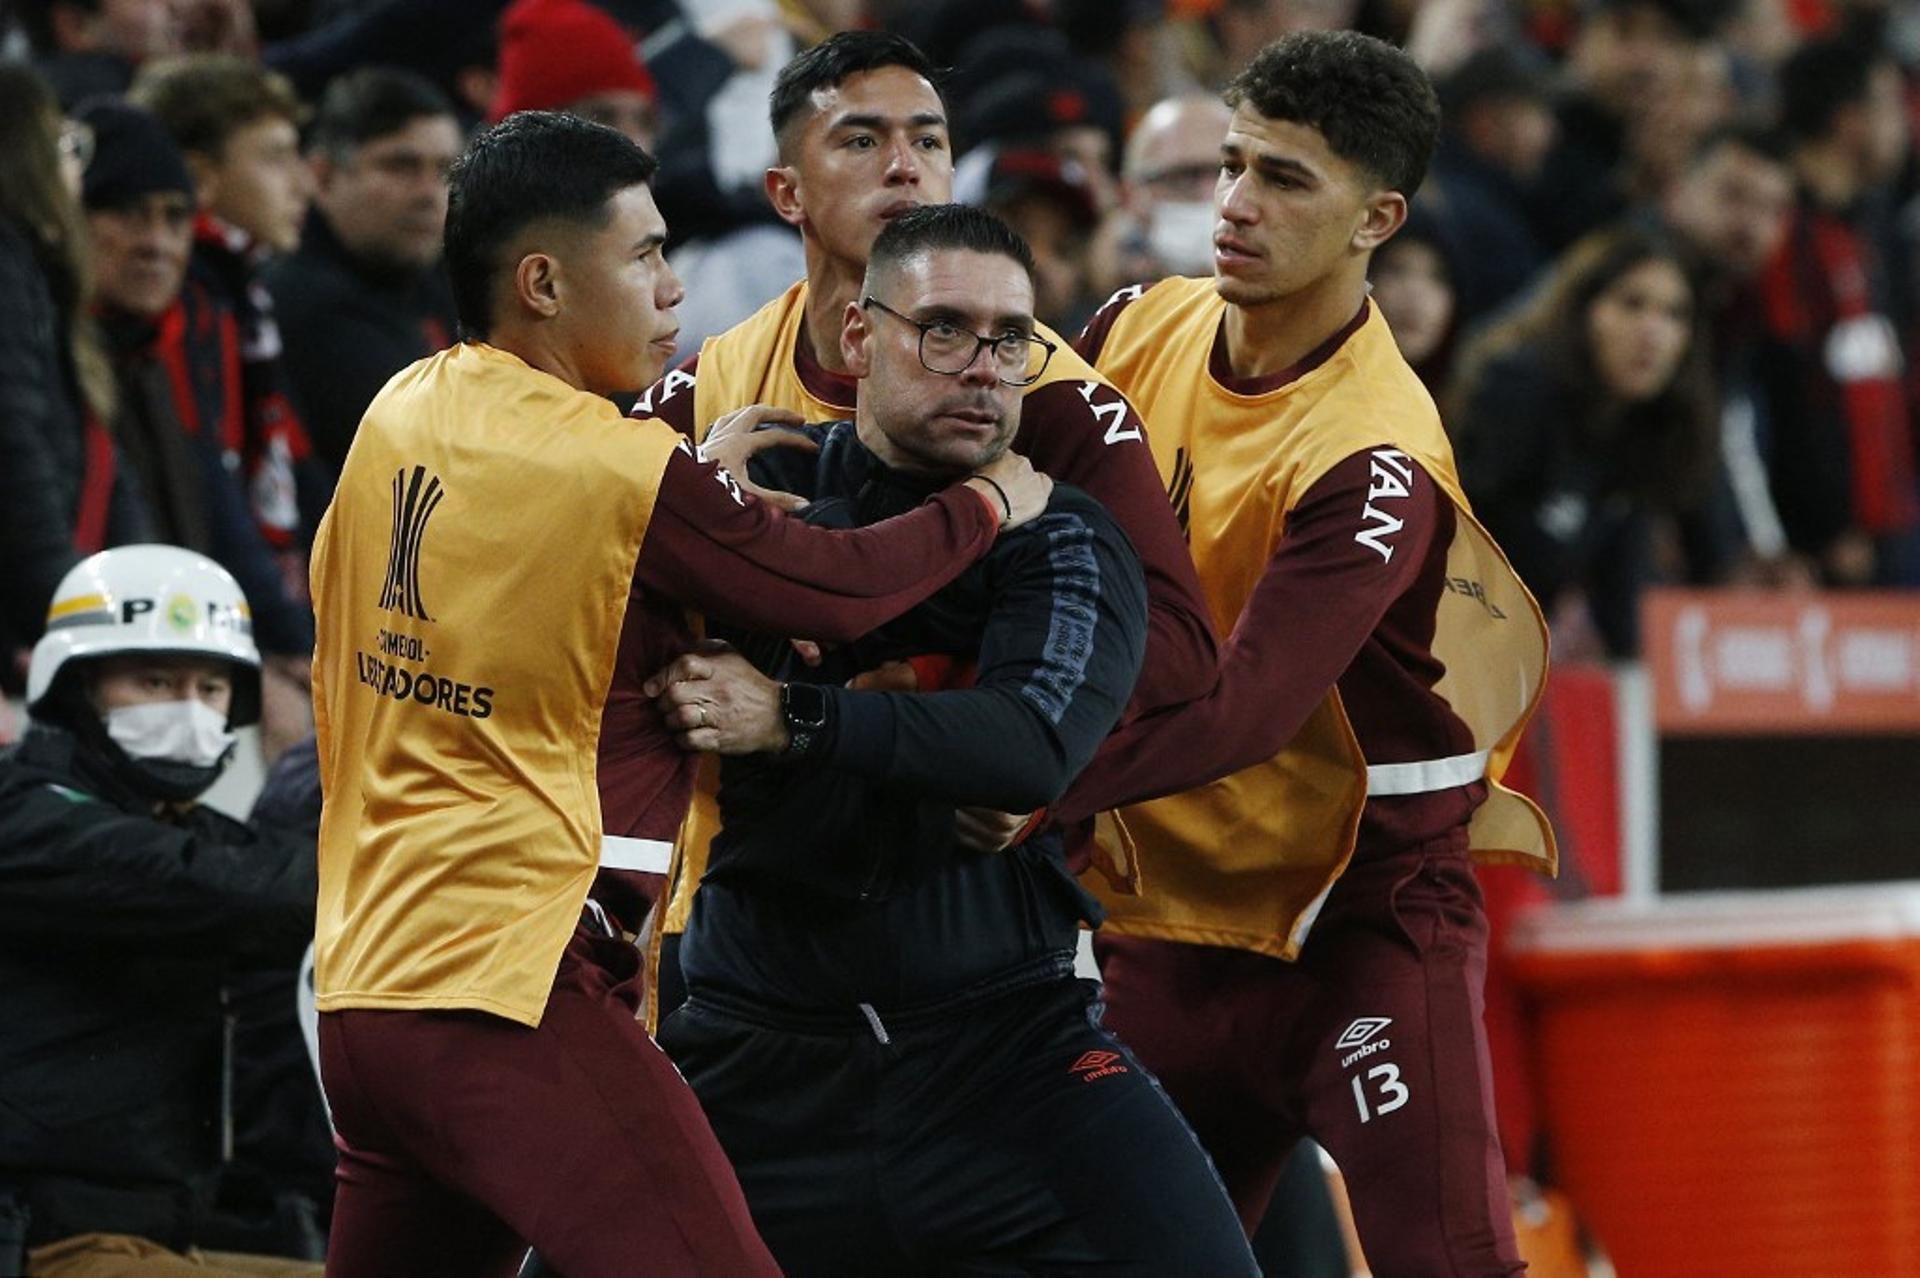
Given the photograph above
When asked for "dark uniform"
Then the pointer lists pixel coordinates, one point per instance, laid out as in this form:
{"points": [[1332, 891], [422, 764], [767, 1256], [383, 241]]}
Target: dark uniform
{"points": [[883, 1027]]}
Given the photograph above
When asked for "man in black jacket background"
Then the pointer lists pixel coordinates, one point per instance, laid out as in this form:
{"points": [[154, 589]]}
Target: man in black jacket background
{"points": [[364, 296], [883, 1024], [125, 909]]}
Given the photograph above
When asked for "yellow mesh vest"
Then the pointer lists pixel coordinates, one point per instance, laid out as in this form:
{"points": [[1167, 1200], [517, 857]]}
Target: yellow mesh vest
{"points": [[1246, 860], [753, 363], [469, 585]]}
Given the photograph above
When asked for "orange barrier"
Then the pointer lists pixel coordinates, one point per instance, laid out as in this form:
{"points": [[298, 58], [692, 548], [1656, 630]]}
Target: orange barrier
{"points": [[1732, 1081]]}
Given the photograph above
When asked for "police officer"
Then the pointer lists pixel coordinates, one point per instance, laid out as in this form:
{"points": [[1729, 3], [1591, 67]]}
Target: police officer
{"points": [[124, 908]]}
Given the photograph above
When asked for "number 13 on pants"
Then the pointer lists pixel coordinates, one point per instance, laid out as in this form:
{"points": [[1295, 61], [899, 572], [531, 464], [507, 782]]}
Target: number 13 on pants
{"points": [[1392, 1092]]}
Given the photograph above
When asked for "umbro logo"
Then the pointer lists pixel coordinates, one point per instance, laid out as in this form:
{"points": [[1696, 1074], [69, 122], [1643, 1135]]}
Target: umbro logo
{"points": [[1097, 1064], [1363, 1038], [1361, 1030]]}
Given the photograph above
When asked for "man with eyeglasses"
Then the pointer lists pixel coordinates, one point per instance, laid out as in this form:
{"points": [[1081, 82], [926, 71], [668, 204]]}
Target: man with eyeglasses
{"points": [[883, 1025], [863, 139]]}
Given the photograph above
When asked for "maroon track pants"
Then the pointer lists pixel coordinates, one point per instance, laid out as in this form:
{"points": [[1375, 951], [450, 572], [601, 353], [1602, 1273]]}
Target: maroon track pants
{"points": [[1372, 1044], [464, 1138]]}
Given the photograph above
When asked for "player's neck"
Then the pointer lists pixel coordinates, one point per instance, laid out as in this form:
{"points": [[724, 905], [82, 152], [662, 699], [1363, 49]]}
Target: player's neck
{"points": [[533, 346], [831, 283], [1274, 336]]}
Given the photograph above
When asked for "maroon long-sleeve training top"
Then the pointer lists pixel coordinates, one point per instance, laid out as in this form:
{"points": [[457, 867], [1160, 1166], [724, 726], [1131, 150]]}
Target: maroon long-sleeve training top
{"points": [[1329, 610], [1080, 433]]}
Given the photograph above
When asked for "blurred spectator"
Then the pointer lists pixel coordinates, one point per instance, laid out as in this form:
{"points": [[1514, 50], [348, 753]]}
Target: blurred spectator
{"points": [[1042, 131], [451, 42], [1701, 102], [63, 492], [1165, 223], [1243, 27], [729, 248], [1629, 60], [567, 55], [139, 201], [219, 26], [91, 47], [1231, 32], [1128, 39], [1497, 129], [1585, 432], [124, 906], [1843, 460], [364, 295], [731, 274], [716, 66], [1050, 202], [1441, 34], [1413, 277], [1731, 204], [1049, 102], [238, 127], [943, 28], [1729, 208]]}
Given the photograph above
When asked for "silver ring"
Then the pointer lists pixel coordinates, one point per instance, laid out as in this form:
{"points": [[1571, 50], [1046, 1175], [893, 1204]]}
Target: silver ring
{"points": [[703, 714]]}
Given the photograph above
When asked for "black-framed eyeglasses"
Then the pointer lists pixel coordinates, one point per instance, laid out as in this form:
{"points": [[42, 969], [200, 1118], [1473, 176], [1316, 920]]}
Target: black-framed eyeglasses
{"points": [[948, 349]]}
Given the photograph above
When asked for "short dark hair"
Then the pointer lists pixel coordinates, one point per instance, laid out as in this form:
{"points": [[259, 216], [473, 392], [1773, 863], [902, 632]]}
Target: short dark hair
{"points": [[1822, 78], [826, 64], [946, 226], [1372, 103], [531, 167], [371, 103]]}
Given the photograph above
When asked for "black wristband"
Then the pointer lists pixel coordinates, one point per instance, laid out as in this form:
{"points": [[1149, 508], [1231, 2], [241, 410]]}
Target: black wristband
{"points": [[1004, 503]]}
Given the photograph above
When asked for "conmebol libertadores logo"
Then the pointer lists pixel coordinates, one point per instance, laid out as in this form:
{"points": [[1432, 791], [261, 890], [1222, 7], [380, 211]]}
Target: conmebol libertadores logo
{"points": [[415, 497]]}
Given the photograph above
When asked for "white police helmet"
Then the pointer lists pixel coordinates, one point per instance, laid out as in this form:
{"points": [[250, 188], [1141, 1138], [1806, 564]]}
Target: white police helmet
{"points": [[148, 599]]}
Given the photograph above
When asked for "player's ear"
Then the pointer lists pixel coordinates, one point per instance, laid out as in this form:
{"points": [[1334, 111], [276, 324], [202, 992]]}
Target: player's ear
{"points": [[783, 192], [856, 338], [1384, 214], [536, 284]]}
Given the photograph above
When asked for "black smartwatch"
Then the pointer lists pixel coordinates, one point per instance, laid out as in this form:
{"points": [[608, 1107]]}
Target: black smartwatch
{"points": [[804, 708]]}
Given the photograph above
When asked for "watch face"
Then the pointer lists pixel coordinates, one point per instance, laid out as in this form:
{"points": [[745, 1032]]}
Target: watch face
{"points": [[805, 705]]}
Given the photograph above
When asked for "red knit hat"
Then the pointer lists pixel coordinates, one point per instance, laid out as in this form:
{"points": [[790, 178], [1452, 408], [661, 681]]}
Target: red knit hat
{"points": [[555, 52]]}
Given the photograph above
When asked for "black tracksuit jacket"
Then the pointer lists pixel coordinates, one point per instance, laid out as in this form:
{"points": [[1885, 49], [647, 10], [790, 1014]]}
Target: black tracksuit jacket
{"points": [[837, 879], [119, 931]]}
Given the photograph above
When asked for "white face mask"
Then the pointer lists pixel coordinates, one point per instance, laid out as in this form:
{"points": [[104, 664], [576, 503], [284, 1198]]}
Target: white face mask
{"points": [[1180, 233], [188, 732]]}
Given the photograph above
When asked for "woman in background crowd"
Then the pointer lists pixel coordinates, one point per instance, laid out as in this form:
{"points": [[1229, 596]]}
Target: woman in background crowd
{"points": [[1586, 433], [1414, 285]]}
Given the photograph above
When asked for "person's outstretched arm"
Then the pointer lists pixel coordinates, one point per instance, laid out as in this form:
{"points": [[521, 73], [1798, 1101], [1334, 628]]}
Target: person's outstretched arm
{"points": [[742, 561]]}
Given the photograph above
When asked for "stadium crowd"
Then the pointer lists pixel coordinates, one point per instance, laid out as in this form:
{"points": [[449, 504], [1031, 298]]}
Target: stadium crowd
{"points": [[1662, 279]]}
